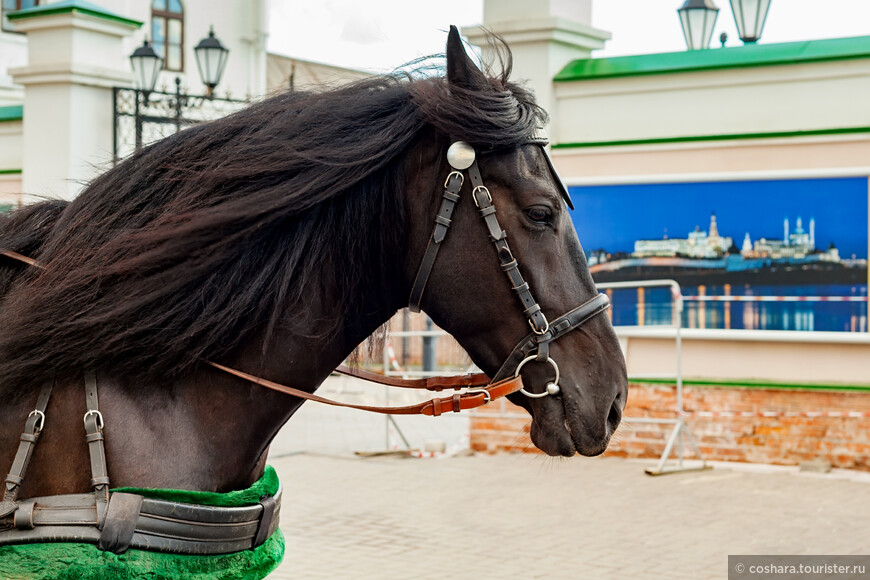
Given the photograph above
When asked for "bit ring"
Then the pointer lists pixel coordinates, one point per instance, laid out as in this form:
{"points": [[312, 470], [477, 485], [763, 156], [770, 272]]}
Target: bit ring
{"points": [[547, 391]]}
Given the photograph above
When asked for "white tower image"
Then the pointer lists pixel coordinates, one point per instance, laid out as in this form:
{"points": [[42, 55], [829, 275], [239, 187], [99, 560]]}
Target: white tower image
{"points": [[747, 244], [812, 233], [785, 231]]}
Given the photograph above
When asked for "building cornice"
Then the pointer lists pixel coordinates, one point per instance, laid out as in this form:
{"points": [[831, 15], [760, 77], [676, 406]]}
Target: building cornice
{"points": [[552, 29], [71, 7], [11, 113], [721, 137], [750, 55], [77, 74]]}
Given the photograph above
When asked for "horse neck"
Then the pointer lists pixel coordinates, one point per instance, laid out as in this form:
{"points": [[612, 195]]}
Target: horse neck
{"points": [[224, 426], [206, 431]]}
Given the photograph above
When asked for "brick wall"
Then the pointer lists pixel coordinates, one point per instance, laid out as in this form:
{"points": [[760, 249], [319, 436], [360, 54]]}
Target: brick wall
{"points": [[844, 442]]}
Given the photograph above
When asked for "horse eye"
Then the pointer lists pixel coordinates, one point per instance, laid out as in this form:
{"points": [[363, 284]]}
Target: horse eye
{"points": [[539, 214]]}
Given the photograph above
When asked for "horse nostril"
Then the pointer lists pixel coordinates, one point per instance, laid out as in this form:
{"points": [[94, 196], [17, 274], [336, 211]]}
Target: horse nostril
{"points": [[619, 399], [615, 414]]}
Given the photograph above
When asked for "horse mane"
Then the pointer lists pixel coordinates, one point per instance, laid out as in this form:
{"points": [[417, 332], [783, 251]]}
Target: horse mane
{"points": [[189, 247]]}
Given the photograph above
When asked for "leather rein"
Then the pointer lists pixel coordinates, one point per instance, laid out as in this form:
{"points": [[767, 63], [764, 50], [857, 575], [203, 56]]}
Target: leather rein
{"points": [[479, 389]]}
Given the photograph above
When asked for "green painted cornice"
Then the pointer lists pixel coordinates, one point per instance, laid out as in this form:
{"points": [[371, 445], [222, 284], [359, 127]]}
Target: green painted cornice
{"points": [[71, 6], [750, 55], [11, 113], [720, 137]]}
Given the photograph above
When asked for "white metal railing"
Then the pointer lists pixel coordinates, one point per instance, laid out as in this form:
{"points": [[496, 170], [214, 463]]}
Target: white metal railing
{"points": [[680, 427], [704, 298], [680, 430]]}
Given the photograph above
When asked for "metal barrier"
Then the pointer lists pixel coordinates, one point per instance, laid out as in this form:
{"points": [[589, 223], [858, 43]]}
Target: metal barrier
{"points": [[392, 367], [680, 429]]}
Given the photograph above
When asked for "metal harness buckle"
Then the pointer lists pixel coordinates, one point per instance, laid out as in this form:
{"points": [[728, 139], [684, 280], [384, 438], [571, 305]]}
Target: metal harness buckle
{"points": [[40, 423], [99, 415]]}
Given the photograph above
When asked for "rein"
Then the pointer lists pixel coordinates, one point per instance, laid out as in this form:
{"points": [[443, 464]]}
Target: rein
{"points": [[480, 390]]}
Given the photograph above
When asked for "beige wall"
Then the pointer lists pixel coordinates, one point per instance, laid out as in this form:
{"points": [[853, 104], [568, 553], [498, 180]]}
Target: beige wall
{"points": [[10, 186], [714, 160], [10, 152], [763, 99], [306, 74], [762, 355]]}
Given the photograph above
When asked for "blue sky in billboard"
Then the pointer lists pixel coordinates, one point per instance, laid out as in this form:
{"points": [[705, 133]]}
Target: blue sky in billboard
{"points": [[612, 217]]}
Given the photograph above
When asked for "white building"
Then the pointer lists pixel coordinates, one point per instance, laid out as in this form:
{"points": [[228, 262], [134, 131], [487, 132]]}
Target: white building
{"points": [[698, 244], [59, 61]]}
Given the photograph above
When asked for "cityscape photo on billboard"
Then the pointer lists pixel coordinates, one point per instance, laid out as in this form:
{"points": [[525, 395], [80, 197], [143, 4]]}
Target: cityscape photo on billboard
{"points": [[760, 255]]}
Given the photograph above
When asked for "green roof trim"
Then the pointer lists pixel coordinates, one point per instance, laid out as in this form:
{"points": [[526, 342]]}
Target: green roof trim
{"points": [[750, 55], [723, 137], [10, 172], [11, 113], [65, 6], [750, 384]]}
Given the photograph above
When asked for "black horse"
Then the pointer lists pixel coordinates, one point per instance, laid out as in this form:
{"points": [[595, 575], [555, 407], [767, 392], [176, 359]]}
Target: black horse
{"points": [[275, 240]]}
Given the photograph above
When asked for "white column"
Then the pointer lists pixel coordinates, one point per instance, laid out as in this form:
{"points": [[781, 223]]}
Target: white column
{"points": [[544, 36], [75, 56]]}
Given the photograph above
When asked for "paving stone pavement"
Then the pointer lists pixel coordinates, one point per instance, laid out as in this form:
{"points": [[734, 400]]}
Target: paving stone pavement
{"points": [[526, 516]]}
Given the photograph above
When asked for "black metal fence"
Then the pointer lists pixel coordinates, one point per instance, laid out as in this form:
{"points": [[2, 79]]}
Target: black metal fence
{"points": [[141, 118]]}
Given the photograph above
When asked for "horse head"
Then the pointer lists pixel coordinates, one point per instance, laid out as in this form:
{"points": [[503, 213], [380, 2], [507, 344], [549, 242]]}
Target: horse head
{"points": [[575, 379]]}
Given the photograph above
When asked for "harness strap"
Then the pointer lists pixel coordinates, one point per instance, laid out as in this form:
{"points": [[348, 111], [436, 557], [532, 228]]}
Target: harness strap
{"points": [[461, 401], [144, 524], [122, 514], [32, 429], [483, 200], [94, 436], [449, 197]]}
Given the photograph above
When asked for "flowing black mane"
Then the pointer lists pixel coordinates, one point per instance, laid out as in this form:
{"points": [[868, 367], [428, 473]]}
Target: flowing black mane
{"points": [[190, 246]]}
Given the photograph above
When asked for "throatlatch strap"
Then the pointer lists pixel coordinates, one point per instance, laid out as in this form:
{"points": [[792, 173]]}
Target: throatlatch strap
{"points": [[94, 437], [443, 220], [32, 428]]}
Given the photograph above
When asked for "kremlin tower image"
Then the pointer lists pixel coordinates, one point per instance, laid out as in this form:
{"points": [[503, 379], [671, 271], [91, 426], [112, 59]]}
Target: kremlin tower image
{"points": [[708, 257]]}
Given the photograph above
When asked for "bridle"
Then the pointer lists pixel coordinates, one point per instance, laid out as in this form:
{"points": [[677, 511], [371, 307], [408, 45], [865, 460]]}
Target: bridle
{"points": [[535, 346], [478, 389], [117, 521]]}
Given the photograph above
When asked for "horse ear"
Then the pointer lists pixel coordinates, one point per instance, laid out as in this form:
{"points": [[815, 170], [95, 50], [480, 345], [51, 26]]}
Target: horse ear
{"points": [[461, 71]]}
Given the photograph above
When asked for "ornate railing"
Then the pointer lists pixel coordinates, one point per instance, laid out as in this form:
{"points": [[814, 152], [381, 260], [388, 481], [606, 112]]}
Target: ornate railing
{"points": [[141, 118]]}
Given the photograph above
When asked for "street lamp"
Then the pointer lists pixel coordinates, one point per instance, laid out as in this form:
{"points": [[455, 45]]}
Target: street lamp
{"points": [[749, 15], [211, 58], [146, 67], [697, 18]]}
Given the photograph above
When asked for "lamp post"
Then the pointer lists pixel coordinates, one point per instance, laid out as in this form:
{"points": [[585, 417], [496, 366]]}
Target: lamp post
{"points": [[698, 17], [211, 59], [750, 15], [154, 113], [146, 66]]}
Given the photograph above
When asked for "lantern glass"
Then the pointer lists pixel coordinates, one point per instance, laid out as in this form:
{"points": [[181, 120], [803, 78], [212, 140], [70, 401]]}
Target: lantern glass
{"points": [[146, 66], [750, 16], [698, 17], [211, 59]]}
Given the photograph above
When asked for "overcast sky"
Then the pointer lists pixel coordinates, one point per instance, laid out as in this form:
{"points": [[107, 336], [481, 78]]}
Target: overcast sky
{"points": [[383, 34]]}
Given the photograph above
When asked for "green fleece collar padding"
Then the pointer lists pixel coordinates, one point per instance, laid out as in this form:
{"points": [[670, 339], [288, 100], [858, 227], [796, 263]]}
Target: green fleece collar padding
{"points": [[69, 561]]}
